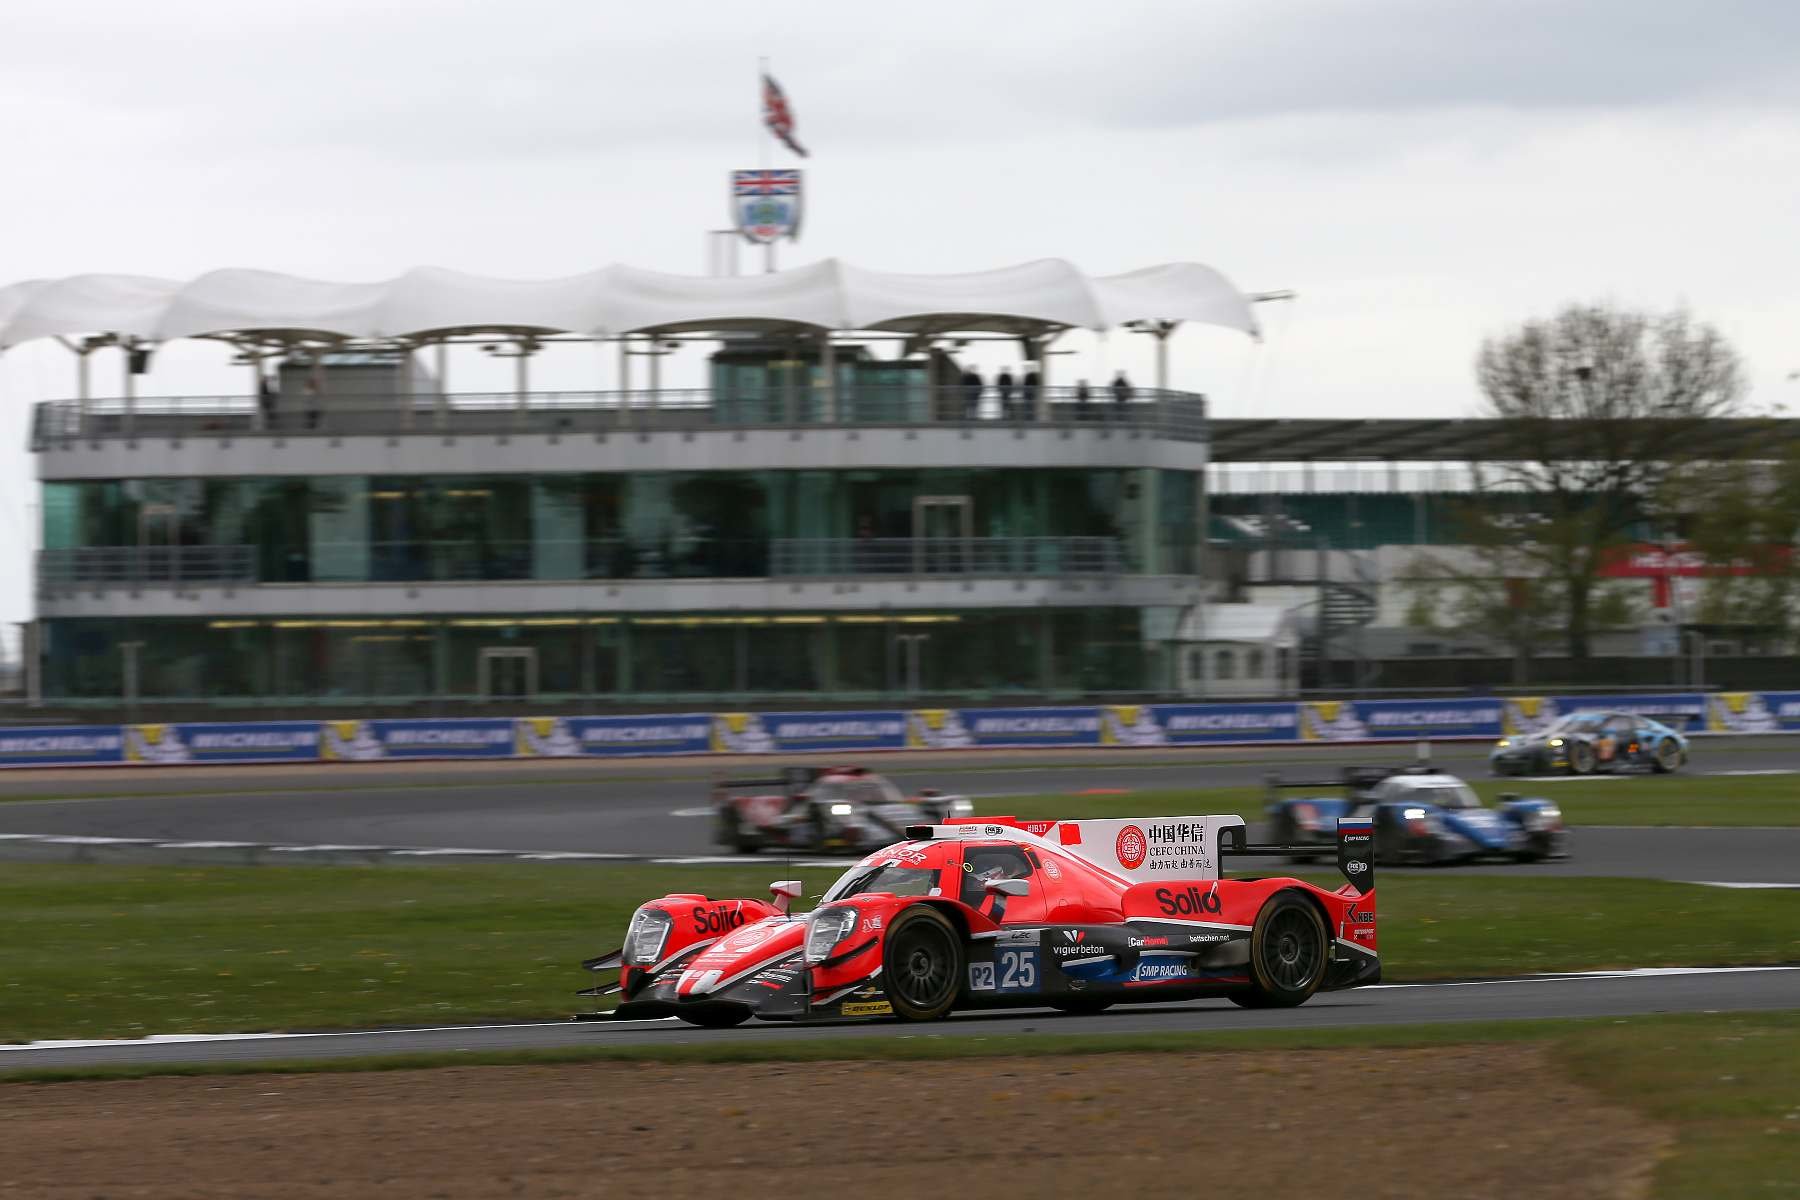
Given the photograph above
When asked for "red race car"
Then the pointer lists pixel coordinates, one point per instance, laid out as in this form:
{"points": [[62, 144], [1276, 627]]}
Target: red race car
{"points": [[987, 912]]}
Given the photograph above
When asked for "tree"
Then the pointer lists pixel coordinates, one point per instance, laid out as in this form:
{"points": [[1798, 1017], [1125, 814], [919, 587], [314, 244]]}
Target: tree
{"points": [[1743, 520], [1595, 410]]}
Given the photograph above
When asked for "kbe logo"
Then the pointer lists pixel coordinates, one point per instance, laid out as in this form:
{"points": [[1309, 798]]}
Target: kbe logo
{"points": [[1190, 902]]}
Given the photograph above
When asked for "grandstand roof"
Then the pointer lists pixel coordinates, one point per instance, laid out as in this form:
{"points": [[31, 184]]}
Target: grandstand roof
{"points": [[1446, 440]]}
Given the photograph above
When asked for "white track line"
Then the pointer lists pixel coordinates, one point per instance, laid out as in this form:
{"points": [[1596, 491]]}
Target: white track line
{"points": [[177, 1038]]}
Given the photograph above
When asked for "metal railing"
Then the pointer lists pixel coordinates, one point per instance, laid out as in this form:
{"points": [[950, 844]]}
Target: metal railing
{"points": [[132, 566], [566, 560], [829, 557], [1167, 414]]}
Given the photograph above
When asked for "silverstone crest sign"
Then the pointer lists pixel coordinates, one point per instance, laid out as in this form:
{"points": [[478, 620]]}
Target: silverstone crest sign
{"points": [[765, 205]]}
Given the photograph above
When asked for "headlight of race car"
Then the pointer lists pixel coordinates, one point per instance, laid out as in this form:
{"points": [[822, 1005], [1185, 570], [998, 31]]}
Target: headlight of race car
{"points": [[1503, 743], [645, 938], [1542, 820], [841, 810], [825, 929]]}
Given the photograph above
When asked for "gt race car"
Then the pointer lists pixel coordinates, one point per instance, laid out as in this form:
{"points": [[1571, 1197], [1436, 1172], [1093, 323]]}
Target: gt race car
{"points": [[1582, 743], [1421, 816], [992, 912], [824, 808]]}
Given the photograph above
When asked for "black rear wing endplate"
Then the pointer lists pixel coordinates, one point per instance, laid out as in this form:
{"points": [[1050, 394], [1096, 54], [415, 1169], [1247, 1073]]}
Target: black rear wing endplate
{"points": [[1355, 850]]}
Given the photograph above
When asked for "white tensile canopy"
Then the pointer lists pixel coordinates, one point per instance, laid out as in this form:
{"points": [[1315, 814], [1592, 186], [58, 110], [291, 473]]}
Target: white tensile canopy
{"points": [[429, 303]]}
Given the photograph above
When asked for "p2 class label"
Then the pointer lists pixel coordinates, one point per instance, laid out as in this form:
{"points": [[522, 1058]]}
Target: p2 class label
{"points": [[1013, 970]]}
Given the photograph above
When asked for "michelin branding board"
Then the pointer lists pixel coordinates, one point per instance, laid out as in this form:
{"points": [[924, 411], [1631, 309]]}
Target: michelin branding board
{"points": [[265, 741], [1196, 724], [62, 746], [365, 741], [1372, 720], [1753, 712], [600, 737], [837, 730], [944, 729]]}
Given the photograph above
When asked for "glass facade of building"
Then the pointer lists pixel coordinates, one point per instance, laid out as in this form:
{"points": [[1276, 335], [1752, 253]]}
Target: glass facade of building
{"points": [[701, 524], [995, 652]]}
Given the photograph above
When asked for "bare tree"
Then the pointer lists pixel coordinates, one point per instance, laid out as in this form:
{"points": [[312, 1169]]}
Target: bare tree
{"points": [[1596, 409]]}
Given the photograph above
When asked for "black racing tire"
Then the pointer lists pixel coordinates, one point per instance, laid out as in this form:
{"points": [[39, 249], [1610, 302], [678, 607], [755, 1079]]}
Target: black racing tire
{"points": [[1247, 999], [733, 834], [1582, 758], [716, 1016], [1081, 1006], [1667, 759], [1288, 948], [922, 964]]}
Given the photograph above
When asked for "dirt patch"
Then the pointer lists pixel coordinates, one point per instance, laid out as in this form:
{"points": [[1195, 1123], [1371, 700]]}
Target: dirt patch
{"points": [[1469, 1121]]}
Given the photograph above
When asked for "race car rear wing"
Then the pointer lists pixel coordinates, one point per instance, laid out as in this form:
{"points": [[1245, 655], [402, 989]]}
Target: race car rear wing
{"points": [[793, 781], [1355, 850]]}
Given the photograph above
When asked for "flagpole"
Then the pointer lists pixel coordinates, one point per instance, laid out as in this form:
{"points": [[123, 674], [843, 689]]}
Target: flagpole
{"points": [[762, 84]]}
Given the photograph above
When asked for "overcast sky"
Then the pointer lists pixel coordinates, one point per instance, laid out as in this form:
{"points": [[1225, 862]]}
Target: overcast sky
{"points": [[1423, 174]]}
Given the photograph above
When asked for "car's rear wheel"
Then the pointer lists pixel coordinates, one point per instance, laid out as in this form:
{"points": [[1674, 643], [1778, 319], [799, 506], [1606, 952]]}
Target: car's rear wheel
{"points": [[1081, 1006], [1287, 952], [922, 964], [732, 832], [1581, 758], [1247, 999], [1667, 757]]}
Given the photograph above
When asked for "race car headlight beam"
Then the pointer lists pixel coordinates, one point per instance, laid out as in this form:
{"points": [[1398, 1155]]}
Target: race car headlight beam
{"points": [[646, 936], [826, 930], [1542, 820]]}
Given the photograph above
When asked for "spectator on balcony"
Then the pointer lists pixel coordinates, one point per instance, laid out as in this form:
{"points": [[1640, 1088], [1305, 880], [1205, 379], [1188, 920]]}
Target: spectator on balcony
{"points": [[1028, 395], [972, 386], [1083, 401], [1008, 389], [863, 555], [266, 400], [1121, 394]]}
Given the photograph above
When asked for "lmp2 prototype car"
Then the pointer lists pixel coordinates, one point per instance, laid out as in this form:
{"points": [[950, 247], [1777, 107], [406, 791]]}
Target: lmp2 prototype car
{"points": [[825, 808], [991, 912], [1582, 743], [1421, 816]]}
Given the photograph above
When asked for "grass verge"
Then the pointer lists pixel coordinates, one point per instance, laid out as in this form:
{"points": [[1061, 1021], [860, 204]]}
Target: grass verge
{"points": [[1725, 1083], [1746, 800], [114, 951]]}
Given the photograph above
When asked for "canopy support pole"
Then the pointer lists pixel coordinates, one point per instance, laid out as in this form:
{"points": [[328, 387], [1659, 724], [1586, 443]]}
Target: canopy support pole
{"points": [[624, 379], [440, 406], [828, 362], [655, 373], [126, 347]]}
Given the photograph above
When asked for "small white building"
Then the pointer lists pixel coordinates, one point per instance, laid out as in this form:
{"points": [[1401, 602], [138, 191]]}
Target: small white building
{"points": [[1229, 651]]}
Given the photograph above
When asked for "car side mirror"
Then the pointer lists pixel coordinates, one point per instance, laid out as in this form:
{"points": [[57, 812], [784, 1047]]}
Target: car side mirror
{"points": [[785, 892], [1007, 887]]}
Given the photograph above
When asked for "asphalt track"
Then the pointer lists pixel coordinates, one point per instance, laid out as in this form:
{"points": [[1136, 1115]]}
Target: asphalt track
{"points": [[655, 810], [1591, 995]]}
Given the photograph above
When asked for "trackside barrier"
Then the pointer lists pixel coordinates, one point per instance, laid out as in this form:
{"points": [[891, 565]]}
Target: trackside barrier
{"points": [[1121, 725]]}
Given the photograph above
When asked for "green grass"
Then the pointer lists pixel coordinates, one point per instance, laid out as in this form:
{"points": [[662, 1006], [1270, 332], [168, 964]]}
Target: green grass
{"points": [[113, 951], [1725, 1083], [1755, 800]]}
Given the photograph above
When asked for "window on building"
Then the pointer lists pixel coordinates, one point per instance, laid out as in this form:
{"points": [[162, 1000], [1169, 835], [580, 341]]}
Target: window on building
{"points": [[1253, 663], [1225, 665]]}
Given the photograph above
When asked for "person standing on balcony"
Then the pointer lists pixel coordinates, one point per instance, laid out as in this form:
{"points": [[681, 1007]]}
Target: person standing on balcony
{"points": [[1029, 394], [1121, 394], [266, 399], [972, 386], [1082, 399], [1004, 384]]}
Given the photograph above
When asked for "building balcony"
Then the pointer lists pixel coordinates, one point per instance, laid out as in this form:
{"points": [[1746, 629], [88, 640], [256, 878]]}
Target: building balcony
{"points": [[98, 568], [1162, 414]]}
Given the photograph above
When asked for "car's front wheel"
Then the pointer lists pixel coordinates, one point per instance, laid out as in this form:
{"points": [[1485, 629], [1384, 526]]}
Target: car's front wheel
{"points": [[1581, 758], [1287, 952], [1667, 758], [1081, 1006], [922, 964]]}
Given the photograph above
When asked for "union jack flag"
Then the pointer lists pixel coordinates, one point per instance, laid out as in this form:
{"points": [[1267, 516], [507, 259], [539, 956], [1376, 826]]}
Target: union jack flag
{"points": [[766, 183], [778, 116]]}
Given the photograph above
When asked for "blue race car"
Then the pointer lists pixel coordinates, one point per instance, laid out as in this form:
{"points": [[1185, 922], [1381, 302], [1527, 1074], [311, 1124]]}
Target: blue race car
{"points": [[1589, 741], [1422, 816]]}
